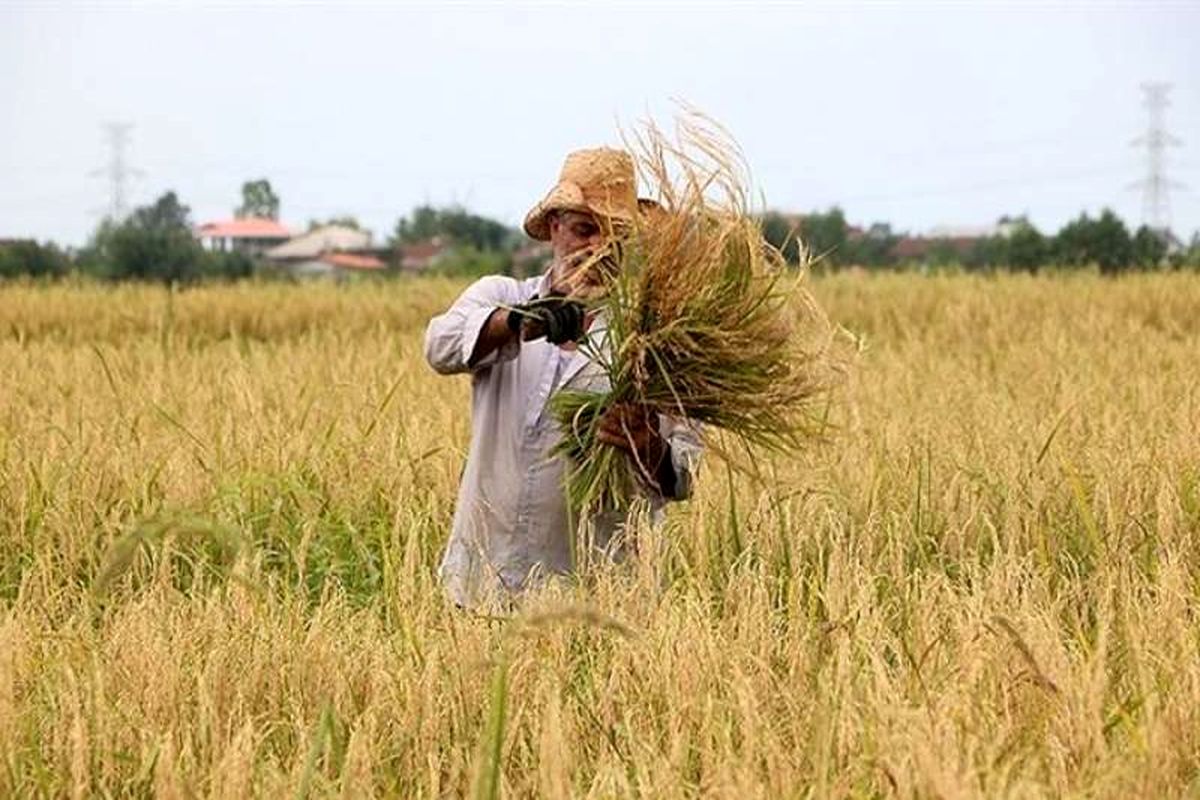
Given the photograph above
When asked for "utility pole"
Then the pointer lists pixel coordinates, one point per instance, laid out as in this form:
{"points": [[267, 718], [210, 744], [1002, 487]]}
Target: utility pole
{"points": [[117, 171], [1156, 186]]}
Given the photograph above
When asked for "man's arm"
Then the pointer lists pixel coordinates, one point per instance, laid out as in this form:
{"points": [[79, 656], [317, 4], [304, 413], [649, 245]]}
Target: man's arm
{"points": [[684, 450], [473, 333], [495, 334], [665, 450]]}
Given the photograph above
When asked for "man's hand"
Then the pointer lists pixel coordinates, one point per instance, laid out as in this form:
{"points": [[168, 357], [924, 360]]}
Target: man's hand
{"points": [[585, 274], [559, 319], [634, 429]]}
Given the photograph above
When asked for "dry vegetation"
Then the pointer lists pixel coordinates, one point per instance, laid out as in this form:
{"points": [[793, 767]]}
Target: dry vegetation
{"points": [[220, 513]]}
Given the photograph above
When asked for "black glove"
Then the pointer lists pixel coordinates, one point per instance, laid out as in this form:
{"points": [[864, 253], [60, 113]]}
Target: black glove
{"points": [[556, 317]]}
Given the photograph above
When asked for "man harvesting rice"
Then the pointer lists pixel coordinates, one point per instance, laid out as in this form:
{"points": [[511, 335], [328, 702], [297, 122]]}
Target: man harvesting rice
{"points": [[520, 341]]}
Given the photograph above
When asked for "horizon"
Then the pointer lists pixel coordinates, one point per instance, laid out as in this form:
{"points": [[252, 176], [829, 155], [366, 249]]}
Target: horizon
{"points": [[930, 115]]}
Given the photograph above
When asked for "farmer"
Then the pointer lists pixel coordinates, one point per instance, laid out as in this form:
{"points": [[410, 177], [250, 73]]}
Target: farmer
{"points": [[518, 339]]}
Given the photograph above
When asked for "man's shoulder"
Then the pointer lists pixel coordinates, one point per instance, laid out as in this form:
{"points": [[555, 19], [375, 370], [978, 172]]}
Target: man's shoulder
{"points": [[505, 286]]}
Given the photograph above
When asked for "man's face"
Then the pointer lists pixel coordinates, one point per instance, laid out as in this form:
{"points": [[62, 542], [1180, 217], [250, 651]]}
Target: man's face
{"points": [[573, 233], [573, 230]]}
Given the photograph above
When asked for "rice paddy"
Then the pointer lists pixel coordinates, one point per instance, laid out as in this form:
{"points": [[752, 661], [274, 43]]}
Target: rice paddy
{"points": [[221, 512]]}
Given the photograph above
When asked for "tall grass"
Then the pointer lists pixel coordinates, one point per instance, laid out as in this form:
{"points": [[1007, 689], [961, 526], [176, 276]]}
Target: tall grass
{"points": [[221, 510]]}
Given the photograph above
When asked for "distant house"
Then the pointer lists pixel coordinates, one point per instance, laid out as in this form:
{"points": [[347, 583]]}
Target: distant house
{"points": [[250, 235], [332, 251], [354, 262], [320, 240], [922, 248], [957, 241], [421, 256], [974, 232]]}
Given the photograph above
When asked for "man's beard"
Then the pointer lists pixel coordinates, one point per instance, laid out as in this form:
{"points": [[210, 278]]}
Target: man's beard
{"points": [[585, 272]]}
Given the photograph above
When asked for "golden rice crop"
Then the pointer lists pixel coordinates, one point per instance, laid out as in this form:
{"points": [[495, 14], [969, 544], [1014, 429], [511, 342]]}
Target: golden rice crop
{"points": [[703, 321], [221, 510]]}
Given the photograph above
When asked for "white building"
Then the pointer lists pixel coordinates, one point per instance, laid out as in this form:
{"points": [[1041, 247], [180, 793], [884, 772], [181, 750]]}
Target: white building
{"points": [[331, 250]]}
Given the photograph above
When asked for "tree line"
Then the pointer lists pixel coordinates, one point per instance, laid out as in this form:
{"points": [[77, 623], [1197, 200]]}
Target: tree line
{"points": [[1104, 242], [156, 243]]}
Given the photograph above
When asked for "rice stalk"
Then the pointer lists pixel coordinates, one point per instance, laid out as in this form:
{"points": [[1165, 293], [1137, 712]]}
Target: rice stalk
{"points": [[489, 776], [703, 321]]}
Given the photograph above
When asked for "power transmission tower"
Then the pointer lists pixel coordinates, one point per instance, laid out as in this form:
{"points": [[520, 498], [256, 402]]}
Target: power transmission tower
{"points": [[1156, 186], [117, 171]]}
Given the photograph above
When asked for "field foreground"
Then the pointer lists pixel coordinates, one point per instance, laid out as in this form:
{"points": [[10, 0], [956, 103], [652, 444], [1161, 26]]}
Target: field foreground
{"points": [[221, 511]]}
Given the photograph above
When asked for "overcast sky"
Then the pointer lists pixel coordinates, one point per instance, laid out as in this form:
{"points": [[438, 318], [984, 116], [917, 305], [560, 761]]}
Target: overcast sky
{"points": [[920, 114]]}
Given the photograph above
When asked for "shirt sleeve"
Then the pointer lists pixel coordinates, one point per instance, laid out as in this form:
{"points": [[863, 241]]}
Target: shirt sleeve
{"points": [[451, 336], [685, 449]]}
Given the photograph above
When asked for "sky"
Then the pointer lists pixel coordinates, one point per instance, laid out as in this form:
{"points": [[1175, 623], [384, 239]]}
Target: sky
{"points": [[918, 114]]}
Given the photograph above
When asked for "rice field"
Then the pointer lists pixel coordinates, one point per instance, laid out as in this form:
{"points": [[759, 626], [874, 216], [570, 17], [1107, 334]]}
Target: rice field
{"points": [[221, 512]]}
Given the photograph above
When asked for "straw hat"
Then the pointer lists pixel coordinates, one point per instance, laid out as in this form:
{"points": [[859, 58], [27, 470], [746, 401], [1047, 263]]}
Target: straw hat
{"points": [[599, 181]]}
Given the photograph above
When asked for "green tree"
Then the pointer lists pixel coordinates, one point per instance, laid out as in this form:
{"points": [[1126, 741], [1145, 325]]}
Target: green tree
{"points": [[1019, 246], [455, 224], [1104, 241], [1191, 256], [423, 224], [155, 243], [990, 252], [166, 214], [1027, 247], [1149, 247], [824, 235], [1071, 242], [92, 257], [874, 247], [474, 263], [943, 253], [34, 260], [781, 234], [343, 221], [258, 200], [229, 266], [1113, 244]]}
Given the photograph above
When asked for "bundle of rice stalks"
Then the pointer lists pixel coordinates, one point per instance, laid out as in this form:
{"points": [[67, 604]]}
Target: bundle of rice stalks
{"points": [[704, 321]]}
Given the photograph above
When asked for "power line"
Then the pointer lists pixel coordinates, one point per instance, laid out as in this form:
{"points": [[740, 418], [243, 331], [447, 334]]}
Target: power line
{"points": [[1156, 186], [117, 171]]}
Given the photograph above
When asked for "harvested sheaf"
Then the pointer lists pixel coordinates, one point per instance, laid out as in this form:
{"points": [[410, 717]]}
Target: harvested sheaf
{"points": [[704, 321]]}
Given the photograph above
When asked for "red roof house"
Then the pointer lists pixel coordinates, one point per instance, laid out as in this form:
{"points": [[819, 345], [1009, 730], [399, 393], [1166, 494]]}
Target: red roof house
{"points": [[356, 262], [251, 235], [420, 256]]}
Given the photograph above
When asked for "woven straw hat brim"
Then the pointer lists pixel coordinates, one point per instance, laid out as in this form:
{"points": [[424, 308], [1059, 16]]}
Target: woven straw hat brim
{"points": [[568, 196]]}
